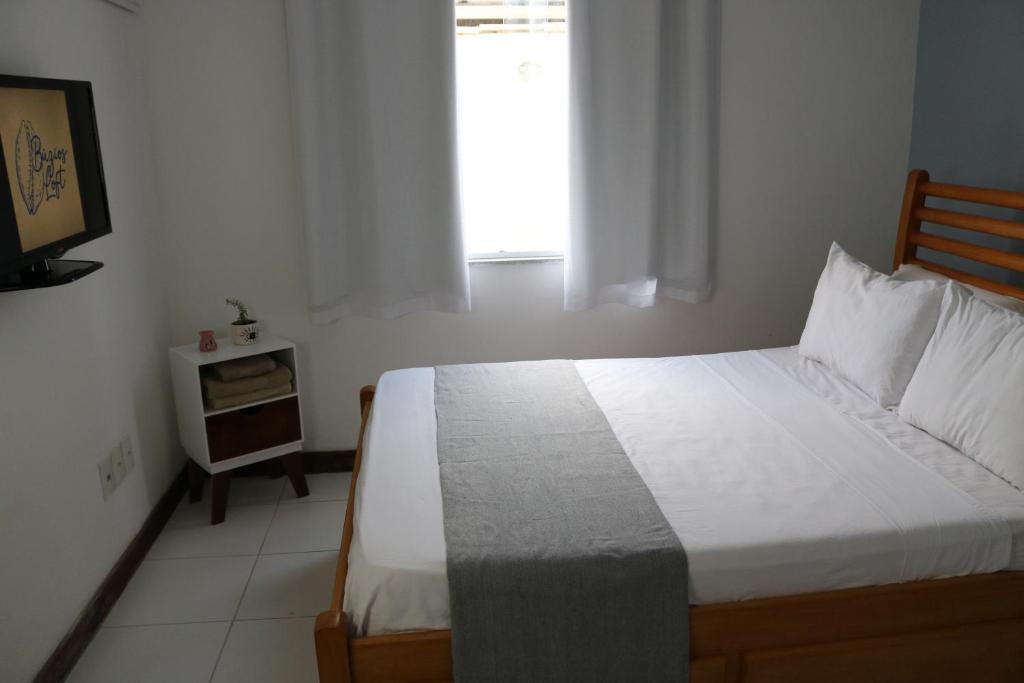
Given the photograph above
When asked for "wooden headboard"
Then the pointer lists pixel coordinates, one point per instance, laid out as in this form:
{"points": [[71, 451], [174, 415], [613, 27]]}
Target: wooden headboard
{"points": [[914, 212]]}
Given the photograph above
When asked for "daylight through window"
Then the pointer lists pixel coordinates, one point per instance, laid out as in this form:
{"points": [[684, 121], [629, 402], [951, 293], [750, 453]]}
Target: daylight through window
{"points": [[512, 70]]}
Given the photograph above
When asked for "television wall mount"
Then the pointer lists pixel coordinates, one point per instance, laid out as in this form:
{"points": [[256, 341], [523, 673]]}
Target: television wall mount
{"points": [[47, 273]]}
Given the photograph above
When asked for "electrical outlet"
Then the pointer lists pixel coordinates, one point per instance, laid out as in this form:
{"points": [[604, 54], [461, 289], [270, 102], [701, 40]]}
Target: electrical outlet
{"points": [[117, 464], [107, 480], [129, 453]]}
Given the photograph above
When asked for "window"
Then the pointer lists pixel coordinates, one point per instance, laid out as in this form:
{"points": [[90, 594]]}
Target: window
{"points": [[512, 74]]}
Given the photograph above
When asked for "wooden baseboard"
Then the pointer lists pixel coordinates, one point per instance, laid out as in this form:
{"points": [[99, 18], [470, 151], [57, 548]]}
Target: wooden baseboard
{"points": [[313, 462], [66, 655], [317, 462]]}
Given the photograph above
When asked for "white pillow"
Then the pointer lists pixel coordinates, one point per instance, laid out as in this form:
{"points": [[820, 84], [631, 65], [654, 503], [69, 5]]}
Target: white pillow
{"points": [[909, 272], [968, 389], [870, 328]]}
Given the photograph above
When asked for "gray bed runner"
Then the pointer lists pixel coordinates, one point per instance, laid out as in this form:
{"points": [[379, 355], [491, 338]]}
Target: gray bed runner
{"points": [[561, 566]]}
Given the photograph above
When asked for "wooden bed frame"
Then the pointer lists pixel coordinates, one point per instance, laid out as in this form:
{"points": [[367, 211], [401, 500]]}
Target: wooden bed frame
{"points": [[962, 629]]}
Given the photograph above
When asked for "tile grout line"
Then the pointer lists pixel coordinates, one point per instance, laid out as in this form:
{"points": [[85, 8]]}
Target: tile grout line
{"points": [[211, 621], [223, 643], [213, 557], [241, 598], [200, 557]]}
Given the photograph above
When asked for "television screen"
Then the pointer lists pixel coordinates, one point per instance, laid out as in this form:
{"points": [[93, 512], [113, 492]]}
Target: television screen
{"points": [[52, 191]]}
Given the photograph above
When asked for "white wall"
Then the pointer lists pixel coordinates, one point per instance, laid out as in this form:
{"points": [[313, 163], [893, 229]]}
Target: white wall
{"points": [[81, 364], [967, 125], [816, 109]]}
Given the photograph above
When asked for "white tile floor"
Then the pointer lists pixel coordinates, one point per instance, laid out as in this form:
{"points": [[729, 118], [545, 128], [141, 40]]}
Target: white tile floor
{"points": [[228, 603]]}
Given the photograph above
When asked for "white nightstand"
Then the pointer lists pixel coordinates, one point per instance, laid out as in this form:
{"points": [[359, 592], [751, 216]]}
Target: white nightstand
{"points": [[218, 441]]}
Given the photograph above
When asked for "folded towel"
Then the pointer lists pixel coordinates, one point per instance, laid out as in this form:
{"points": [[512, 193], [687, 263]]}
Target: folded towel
{"points": [[251, 366], [215, 388], [251, 397]]}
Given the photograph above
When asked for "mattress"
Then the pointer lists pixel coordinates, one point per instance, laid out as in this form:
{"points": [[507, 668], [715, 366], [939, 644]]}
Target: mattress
{"points": [[778, 477]]}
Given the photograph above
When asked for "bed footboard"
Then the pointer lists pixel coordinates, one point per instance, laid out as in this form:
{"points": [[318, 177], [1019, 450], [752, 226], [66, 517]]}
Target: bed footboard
{"points": [[942, 631]]}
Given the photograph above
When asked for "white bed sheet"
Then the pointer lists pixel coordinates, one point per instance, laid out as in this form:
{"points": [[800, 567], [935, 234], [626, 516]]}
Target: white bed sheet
{"points": [[779, 478]]}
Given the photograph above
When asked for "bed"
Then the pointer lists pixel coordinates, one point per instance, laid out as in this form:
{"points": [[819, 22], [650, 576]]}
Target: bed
{"points": [[807, 567]]}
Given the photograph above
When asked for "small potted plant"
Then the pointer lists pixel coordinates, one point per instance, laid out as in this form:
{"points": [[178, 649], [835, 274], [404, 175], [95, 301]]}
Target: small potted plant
{"points": [[245, 330]]}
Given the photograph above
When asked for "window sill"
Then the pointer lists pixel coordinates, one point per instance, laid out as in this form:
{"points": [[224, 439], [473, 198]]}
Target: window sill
{"points": [[514, 257]]}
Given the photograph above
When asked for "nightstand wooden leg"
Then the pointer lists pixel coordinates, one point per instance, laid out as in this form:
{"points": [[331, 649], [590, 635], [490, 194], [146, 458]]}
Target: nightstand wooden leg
{"points": [[293, 466], [274, 467], [221, 486], [196, 477]]}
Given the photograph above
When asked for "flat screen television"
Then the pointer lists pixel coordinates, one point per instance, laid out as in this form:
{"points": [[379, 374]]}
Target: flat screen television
{"points": [[52, 191]]}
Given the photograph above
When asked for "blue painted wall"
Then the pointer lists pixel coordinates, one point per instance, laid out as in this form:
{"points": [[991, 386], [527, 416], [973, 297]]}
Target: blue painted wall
{"points": [[968, 123]]}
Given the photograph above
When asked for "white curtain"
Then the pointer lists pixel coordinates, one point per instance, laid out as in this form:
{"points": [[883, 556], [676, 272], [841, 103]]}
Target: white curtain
{"points": [[643, 83], [374, 114]]}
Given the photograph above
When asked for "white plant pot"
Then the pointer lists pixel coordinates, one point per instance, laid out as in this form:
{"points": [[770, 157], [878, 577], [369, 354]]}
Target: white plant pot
{"points": [[245, 335]]}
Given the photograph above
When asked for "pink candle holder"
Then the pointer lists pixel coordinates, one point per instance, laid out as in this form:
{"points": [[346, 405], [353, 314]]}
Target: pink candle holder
{"points": [[207, 342]]}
